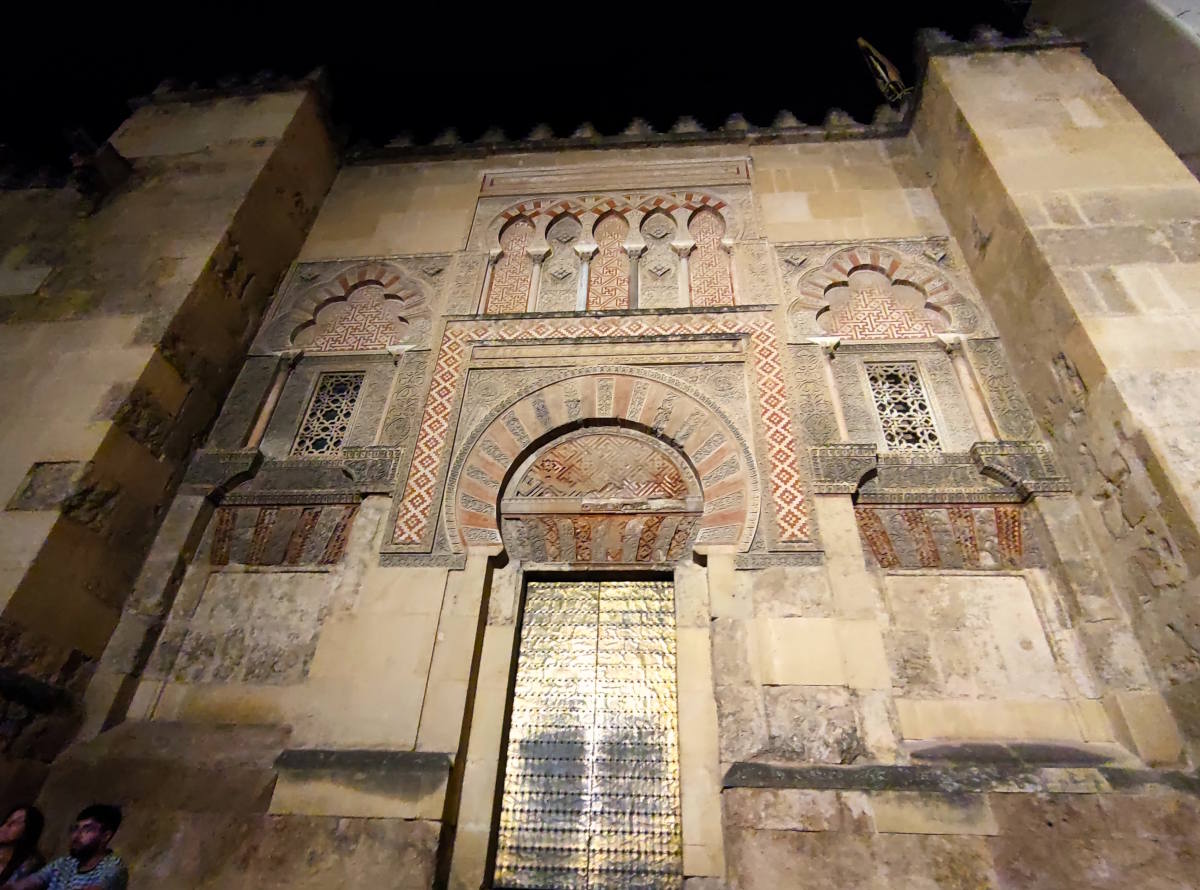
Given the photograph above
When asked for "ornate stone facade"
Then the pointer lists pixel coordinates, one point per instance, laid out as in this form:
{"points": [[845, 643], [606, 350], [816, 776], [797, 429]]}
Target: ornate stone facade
{"points": [[893, 639]]}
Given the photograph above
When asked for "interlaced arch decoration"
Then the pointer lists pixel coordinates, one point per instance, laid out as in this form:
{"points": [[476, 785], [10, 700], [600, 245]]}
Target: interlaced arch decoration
{"points": [[870, 292], [686, 431], [368, 307], [680, 204]]}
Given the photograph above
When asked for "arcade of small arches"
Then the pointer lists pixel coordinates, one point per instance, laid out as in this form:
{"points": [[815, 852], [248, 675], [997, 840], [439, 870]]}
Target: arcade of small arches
{"points": [[609, 253]]}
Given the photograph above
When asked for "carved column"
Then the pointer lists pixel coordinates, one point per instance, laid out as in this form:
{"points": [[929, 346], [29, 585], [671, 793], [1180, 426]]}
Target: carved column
{"points": [[585, 252], [829, 346], [493, 257], [635, 251], [287, 361], [727, 246], [953, 344], [683, 249], [538, 254]]}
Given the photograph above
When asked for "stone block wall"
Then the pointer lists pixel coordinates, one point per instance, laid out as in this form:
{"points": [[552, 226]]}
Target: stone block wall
{"points": [[122, 330], [1007, 838], [1082, 228]]}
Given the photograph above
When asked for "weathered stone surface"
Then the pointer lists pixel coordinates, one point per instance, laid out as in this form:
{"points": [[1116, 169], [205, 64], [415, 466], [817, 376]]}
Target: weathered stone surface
{"points": [[742, 720], [203, 850], [772, 859], [1094, 841], [813, 724], [795, 810], [48, 485], [910, 812]]}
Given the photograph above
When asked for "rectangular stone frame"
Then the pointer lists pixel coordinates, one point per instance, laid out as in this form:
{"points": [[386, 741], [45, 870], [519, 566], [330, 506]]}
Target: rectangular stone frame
{"points": [[417, 501]]}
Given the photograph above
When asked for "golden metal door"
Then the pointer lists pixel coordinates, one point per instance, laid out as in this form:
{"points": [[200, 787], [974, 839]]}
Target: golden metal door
{"points": [[591, 784]]}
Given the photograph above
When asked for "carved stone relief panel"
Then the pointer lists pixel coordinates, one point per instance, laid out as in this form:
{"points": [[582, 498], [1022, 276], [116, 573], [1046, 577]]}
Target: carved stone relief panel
{"points": [[1010, 412], [248, 627], [560, 270], [274, 535], [404, 402], [862, 421], [465, 283], [954, 536], [725, 383], [403, 413], [371, 404], [755, 274], [658, 268], [488, 389], [811, 392]]}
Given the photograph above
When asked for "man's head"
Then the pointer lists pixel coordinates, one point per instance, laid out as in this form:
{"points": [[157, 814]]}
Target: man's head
{"points": [[93, 829]]}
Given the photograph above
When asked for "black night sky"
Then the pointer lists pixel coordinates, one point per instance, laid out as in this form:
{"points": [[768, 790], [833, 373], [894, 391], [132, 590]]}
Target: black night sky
{"points": [[419, 75]]}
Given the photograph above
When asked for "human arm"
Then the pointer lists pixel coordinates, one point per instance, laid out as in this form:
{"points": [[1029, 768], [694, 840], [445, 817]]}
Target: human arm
{"points": [[39, 880]]}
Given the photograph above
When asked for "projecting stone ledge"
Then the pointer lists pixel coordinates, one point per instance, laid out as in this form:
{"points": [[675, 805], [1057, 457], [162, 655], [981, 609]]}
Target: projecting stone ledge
{"points": [[957, 778], [367, 783]]}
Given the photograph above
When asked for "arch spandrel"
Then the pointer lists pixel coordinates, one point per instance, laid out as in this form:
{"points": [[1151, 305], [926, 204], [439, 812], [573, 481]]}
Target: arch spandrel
{"points": [[619, 402]]}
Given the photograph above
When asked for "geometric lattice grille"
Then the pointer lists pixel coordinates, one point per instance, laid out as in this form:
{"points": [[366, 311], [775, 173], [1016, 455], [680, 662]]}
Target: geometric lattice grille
{"points": [[591, 783], [903, 406], [328, 418]]}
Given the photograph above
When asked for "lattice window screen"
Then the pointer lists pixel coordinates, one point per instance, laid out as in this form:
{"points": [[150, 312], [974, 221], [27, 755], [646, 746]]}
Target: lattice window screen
{"points": [[903, 406], [328, 418]]}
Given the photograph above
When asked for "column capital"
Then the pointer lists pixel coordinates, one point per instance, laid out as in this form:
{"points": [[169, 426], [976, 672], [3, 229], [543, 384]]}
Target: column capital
{"points": [[828, 345], [952, 343], [538, 254], [727, 245], [634, 248], [494, 255], [291, 356], [586, 250], [683, 248], [397, 350]]}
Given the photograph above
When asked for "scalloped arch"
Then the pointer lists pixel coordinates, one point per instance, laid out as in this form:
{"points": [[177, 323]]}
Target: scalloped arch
{"points": [[402, 296], [942, 295]]}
